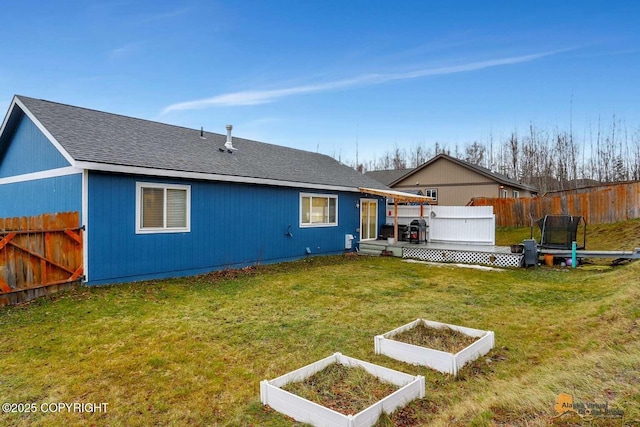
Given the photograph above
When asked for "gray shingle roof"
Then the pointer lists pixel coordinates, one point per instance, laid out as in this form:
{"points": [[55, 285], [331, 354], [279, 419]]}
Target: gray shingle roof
{"points": [[387, 176], [502, 179], [99, 137]]}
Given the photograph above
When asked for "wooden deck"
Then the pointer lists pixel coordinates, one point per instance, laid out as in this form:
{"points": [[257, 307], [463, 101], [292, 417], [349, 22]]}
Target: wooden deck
{"points": [[495, 256]]}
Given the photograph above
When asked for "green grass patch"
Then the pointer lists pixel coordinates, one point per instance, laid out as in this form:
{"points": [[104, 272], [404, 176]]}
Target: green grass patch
{"points": [[193, 351]]}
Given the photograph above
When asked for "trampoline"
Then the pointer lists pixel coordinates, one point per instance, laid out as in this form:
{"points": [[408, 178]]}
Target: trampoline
{"points": [[560, 231]]}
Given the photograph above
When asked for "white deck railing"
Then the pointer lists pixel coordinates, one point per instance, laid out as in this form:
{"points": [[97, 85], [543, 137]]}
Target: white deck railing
{"points": [[474, 225]]}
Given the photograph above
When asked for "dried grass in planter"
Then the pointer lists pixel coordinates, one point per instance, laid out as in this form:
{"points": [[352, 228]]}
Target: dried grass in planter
{"points": [[443, 339], [344, 389]]}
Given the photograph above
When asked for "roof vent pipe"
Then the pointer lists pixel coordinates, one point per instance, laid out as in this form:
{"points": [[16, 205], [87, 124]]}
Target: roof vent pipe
{"points": [[229, 128], [229, 144]]}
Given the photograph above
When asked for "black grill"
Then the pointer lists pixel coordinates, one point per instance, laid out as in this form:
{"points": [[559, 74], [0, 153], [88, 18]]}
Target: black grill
{"points": [[418, 231]]}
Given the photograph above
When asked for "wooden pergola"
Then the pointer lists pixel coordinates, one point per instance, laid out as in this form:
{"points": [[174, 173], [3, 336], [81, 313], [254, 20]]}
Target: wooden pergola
{"points": [[398, 196]]}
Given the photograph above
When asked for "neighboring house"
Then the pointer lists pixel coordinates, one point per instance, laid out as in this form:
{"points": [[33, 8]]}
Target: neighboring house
{"points": [[388, 176], [453, 182], [163, 201]]}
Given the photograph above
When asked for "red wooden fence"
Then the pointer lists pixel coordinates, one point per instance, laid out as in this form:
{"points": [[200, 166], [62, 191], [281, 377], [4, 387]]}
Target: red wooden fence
{"points": [[39, 252], [598, 205]]}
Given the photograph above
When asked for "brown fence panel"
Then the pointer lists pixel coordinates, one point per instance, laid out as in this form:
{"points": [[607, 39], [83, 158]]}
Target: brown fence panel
{"points": [[598, 205], [39, 255]]}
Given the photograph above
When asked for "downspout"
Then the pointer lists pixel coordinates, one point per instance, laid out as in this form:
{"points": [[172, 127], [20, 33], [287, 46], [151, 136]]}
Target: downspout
{"points": [[85, 223]]}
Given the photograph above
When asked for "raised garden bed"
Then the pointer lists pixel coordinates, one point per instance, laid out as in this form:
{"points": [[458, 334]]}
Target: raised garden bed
{"points": [[407, 388], [447, 348]]}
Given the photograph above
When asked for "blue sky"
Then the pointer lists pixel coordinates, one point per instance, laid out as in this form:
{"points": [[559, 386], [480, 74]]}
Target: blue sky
{"points": [[325, 75]]}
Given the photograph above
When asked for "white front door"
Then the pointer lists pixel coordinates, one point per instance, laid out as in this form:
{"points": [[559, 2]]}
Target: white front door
{"points": [[368, 219]]}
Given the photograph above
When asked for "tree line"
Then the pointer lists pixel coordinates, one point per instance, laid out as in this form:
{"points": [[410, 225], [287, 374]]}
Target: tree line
{"points": [[546, 159]]}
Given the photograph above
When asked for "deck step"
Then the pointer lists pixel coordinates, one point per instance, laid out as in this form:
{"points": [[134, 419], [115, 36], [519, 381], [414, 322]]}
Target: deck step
{"points": [[370, 251], [377, 249]]}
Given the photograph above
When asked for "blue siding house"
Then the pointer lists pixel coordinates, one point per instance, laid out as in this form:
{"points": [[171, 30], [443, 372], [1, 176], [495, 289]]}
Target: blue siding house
{"points": [[160, 201]]}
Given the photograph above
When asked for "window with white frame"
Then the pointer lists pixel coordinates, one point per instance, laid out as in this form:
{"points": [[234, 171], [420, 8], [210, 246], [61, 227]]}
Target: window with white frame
{"points": [[318, 210], [162, 208], [516, 194], [431, 192]]}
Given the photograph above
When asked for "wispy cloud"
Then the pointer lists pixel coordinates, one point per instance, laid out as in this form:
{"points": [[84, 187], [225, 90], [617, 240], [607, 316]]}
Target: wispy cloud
{"points": [[167, 15], [124, 51], [255, 97]]}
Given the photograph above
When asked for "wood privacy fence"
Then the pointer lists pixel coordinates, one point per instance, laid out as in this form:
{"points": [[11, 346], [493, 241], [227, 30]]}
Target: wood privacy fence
{"points": [[598, 205], [38, 255]]}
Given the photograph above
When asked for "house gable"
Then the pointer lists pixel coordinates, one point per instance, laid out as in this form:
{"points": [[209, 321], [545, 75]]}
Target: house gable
{"points": [[24, 149], [454, 184], [442, 172], [451, 181]]}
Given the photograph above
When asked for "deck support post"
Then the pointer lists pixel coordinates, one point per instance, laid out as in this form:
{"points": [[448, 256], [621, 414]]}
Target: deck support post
{"points": [[395, 220]]}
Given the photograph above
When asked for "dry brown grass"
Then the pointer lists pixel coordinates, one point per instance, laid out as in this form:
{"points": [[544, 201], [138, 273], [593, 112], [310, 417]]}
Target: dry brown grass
{"points": [[443, 339], [344, 389]]}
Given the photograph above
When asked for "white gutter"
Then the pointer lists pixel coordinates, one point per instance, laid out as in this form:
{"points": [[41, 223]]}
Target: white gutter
{"points": [[33, 176], [137, 170]]}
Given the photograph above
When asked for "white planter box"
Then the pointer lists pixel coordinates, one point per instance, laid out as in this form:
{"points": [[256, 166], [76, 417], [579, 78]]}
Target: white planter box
{"points": [[439, 360], [303, 410]]}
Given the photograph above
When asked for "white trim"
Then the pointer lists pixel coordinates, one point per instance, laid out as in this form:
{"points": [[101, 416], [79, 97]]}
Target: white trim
{"points": [[140, 230], [431, 191], [362, 202], [315, 224], [7, 115], [165, 173], [400, 196], [85, 223], [44, 130], [33, 176]]}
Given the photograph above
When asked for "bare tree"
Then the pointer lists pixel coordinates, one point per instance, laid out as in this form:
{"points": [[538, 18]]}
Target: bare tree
{"points": [[635, 157], [546, 160], [607, 154], [399, 159], [530, 163], [513, 154], [560, 151], [419, 155], [475, 153], [438, 149]]}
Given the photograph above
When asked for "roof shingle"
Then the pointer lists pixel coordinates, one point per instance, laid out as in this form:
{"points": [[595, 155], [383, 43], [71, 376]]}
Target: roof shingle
{"points": [[99, 137]]}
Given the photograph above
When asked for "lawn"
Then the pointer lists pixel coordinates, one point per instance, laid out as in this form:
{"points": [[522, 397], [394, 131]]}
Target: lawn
{"points": [[192, 351]]}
